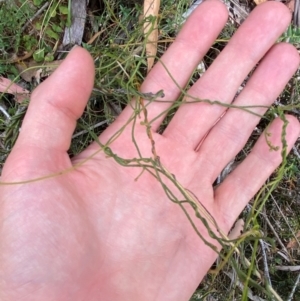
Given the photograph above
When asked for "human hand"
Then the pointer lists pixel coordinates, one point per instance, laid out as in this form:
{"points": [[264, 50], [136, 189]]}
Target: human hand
{"points": [[95, 233]]}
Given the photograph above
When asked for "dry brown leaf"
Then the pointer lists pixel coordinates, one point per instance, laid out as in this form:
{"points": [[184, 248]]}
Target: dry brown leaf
{"points": [[151, 7], [8, 86], [26, 72], [35, 70], [293, 243]]}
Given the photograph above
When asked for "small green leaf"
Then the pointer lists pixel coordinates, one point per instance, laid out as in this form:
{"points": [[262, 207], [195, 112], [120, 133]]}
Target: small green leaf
{"points": [[37, 2], [57, 28], [63, 10], [278, 260], [49, 57], [39, 55], [38, 26], [50, 33], [29, 42], [53, 11]]}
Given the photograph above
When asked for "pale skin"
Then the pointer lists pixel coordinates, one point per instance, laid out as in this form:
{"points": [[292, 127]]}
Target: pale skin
{"points": [[94, 233]]}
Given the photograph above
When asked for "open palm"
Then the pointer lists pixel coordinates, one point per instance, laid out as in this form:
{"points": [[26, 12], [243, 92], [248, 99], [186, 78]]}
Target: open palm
{"points": [[96, 232]]}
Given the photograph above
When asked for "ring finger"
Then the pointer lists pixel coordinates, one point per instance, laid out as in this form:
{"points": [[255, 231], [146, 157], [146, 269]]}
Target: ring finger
{"points": [[230, 134], [221, 81]]}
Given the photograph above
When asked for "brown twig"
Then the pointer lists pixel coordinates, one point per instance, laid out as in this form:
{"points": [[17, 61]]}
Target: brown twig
{"points": [[35, 15]]}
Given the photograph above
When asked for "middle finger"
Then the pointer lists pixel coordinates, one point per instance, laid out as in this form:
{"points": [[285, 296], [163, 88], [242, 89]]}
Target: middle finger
{"points": [[221, 81], [231, 133]]}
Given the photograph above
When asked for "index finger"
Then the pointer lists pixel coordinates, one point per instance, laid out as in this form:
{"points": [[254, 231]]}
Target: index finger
{"points": [[194, 40]]}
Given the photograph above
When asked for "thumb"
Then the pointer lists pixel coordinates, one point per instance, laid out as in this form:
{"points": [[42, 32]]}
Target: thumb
{"points": [[54, 107]]}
